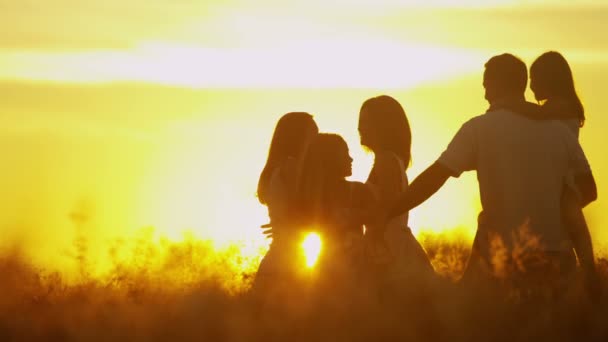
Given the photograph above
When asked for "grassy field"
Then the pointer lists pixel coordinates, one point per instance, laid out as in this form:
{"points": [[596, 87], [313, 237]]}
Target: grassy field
{"points": [[189, 291]]}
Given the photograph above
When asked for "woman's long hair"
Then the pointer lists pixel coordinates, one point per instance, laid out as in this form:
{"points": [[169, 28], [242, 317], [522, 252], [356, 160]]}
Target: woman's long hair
{"points": [[551, 76], [288, 141], [319, 175], [387, 126]]}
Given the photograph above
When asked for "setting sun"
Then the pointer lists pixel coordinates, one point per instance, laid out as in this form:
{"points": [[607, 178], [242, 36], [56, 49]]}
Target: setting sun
{"points": [[134, 137], [311, 247]]}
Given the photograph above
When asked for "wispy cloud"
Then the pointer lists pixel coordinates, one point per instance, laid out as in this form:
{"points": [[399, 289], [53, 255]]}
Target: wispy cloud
{"points": [[116, 24], [385, 43], [328, 63]]}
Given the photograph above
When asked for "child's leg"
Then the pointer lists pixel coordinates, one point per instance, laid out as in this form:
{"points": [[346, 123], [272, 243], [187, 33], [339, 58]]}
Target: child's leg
{"points": [[575, 223]]}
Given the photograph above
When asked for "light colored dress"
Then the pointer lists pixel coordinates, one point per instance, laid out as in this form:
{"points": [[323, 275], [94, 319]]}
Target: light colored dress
{"points": [[573, 217], [409, 263]]}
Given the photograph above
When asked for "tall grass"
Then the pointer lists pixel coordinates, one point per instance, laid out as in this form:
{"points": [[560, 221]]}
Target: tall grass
{"points": [[189, 290]]}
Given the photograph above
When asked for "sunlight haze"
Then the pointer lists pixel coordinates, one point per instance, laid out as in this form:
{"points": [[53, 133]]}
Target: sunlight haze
{"points": [[160, 113]]}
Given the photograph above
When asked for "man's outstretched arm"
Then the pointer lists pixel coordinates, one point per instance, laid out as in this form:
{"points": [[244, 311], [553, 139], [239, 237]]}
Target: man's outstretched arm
{"points": [[423, 187]]}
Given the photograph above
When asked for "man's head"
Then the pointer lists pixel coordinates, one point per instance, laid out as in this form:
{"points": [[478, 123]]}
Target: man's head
{"points": [[505, 77]]}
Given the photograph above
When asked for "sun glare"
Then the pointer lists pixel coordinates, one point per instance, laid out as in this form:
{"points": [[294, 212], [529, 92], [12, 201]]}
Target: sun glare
{"points": [[312, 248]]}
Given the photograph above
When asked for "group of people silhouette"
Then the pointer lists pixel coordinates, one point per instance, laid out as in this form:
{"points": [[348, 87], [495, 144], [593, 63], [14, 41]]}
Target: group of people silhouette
{"points": [[531, 169]]}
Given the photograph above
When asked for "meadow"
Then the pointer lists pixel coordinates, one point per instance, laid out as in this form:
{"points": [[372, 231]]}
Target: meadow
{"points": [[189, 290]]}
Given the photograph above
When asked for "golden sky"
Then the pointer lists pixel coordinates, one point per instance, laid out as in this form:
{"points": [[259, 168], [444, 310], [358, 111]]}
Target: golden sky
{"points": [[159, 113]]}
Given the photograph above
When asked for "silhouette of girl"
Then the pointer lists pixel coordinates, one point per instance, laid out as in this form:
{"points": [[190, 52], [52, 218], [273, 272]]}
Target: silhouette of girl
{"points": [[402, 270], [329, 204], [552, 82], [385, 130], [276, 186]]}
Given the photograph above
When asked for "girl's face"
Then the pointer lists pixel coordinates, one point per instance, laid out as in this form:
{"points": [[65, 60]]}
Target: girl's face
{"points": [[344, 162], [365, 131]]}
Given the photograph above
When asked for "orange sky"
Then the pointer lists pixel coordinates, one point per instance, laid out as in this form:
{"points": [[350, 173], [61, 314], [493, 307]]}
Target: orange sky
{"points": [[160, 112]]}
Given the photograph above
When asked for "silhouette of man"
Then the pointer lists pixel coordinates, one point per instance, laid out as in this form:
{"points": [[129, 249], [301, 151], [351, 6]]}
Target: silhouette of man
{"points": [[521, 165]]}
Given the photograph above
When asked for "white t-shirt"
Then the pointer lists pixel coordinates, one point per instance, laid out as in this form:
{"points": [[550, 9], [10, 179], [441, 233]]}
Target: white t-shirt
{"points": [[522, 166], [573, 125]]}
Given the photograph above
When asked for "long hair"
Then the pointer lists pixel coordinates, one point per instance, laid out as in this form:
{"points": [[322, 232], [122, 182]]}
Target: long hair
{"points": [[318, 178], [288, 141], [552, 75], [388, 127]]}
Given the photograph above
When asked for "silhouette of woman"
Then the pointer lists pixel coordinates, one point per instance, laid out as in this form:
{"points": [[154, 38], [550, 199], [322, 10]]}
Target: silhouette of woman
{"points": [[276, 186], [329, 204], [385, 130], [552, 83]]}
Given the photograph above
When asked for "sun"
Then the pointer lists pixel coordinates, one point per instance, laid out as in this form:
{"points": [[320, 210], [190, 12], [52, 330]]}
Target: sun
{"points": [[311, 247]]}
